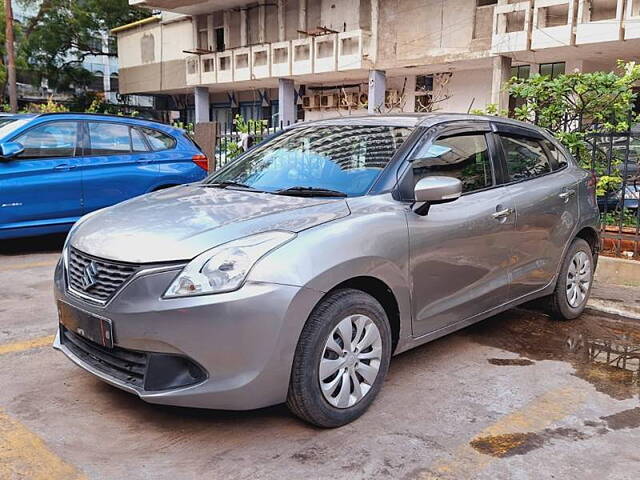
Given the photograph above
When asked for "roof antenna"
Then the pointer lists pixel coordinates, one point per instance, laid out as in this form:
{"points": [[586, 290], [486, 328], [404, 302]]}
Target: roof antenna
{"points": [[471, 105]]}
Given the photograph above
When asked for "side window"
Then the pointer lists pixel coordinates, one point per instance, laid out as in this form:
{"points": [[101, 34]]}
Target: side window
{"points": [[558, 160], [159, 140], [525, 157], [51, 140], [137, 141], [465, 157], [109, 138]]}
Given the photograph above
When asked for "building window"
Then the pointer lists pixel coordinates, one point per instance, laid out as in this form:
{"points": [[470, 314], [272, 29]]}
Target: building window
{"points": [[521, 71], [552, 70]]}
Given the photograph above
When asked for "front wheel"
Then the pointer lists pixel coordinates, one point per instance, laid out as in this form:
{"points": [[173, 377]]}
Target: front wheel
{"points": [[573, 287], [341, 359]]}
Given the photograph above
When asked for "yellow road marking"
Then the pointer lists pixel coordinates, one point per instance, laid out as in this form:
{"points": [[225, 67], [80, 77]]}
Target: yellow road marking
{"points": [[24, 266], [26, 344], [537, 415], [24, 455]]}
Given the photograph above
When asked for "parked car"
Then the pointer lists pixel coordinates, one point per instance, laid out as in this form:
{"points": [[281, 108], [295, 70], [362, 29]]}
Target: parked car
{"points": [[296, 271], [54, 168]]}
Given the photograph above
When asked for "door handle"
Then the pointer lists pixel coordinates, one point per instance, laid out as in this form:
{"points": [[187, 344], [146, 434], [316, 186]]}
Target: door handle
{"points": [[567, 194], [64, 167], [503, 213]]}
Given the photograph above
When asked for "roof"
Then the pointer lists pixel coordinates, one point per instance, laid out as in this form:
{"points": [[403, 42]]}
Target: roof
{"points": [[414, 120], [137, 23]]}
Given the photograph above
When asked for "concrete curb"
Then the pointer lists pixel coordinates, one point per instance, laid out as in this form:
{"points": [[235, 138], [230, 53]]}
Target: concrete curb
{"points": [[618, 271], [616, 288]]}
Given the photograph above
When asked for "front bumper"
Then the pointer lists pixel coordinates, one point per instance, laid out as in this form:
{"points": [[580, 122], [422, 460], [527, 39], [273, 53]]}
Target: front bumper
{"points": [[242, 341]]}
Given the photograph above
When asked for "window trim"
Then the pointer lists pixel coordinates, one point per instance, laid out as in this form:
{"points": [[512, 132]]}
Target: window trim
{"points": [[79, 139]]}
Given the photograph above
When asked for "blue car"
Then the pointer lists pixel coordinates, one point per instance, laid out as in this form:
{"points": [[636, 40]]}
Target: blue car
{"points": [[56, 167]]}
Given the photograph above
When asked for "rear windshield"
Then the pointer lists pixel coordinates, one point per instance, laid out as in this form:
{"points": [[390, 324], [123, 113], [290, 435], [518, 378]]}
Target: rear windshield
{"points": [[346, 158]]}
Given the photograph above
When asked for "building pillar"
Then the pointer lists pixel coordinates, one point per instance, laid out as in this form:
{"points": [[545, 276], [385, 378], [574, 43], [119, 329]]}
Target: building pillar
{"points": [[201, 101], [281, 21], [244, 41], [302, 15], [262, 21], [286, 101], [501, 76], [377, 88]]}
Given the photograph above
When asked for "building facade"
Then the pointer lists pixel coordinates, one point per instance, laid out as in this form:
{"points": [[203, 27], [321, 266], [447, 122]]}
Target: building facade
{"points": [[285, 60]]}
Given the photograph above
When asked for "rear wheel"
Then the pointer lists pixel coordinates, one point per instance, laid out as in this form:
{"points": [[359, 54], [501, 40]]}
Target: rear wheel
{"points": [[573, 287], [341, 359]]}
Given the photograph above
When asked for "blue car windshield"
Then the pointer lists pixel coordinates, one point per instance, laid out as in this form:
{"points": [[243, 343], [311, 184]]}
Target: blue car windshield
{"points": [[8, 125], [346, 159]]}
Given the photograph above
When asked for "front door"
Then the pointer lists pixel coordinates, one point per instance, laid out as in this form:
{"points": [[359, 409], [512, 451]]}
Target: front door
{"points": [[459, 251], [43, 185]]}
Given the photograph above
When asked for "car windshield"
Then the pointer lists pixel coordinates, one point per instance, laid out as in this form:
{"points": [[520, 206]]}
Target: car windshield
{"points": [[345, 160], [8, 125]]}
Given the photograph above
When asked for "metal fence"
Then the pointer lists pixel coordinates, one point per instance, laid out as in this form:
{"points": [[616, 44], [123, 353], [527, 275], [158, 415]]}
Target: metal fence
{"points": [[615, 161]]}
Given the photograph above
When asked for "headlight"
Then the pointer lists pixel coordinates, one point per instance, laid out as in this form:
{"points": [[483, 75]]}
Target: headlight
{"points": [[225, 267]]}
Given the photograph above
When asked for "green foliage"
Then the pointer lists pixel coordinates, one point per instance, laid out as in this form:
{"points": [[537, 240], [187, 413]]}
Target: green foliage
{"points": [[187, 127], [49, 107], [64, 32], [576, 104], [249, 126], [491, 110]]}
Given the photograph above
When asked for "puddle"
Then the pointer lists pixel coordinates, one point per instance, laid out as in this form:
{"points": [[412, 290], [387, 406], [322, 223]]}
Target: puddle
{"points": [[511, 444], [604, 352], [519, 362], [625, 419]]}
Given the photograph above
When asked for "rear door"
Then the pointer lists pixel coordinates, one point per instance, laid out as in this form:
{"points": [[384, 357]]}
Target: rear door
{"points": [[118, 165], [43, 185], [545, 196], [459, 251]]}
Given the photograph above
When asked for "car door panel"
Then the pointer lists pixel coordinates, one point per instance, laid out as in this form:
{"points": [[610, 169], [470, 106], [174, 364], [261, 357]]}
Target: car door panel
{"points": [[460, 251], [547, 210], [43, 185], [112, 170]]}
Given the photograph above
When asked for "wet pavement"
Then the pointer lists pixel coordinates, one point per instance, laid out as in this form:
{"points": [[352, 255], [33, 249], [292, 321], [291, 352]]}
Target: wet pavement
{"points": [[516, 396]]}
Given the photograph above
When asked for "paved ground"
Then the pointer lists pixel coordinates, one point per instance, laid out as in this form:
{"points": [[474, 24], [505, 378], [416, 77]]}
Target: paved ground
{"points": [[516, 397]]}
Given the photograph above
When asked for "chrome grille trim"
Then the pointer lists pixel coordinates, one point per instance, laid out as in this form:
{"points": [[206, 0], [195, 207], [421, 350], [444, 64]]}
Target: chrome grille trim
{"points": [[110, 278]]}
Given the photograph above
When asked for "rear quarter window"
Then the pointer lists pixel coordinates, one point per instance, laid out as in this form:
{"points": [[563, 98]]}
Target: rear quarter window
{"points": [[159, 140]]}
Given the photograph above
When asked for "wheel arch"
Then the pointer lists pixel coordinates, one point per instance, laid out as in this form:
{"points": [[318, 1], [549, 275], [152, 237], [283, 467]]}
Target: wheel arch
{"points": [[592, 237]]}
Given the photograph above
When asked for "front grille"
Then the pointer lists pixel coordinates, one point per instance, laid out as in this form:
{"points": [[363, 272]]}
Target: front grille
{"points": [[98, 279], [127, 366]]}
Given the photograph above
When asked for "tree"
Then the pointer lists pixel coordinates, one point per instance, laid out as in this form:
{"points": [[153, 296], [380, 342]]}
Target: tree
{"points": [[63, 33]]}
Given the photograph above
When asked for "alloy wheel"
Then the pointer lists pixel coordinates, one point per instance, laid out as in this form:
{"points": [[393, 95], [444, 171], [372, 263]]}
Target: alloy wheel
{"points": [[350, 361], [578, 279]]}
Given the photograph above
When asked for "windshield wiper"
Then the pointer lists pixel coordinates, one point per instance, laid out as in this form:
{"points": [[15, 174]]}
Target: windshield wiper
{"points": [[226, 184], [310, 192]]}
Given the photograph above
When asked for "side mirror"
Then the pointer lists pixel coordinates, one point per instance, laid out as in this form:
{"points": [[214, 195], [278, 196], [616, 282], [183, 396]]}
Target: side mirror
{"points": [[433, 190], [10, 149]]}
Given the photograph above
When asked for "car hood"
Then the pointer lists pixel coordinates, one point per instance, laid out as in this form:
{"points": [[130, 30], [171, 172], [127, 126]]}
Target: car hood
{"points": [[182, 222]]}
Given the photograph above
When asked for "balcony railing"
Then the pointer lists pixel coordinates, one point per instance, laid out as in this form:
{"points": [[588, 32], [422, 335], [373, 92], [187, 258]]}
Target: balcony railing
{"points": [[539, 24], [321, 54]]}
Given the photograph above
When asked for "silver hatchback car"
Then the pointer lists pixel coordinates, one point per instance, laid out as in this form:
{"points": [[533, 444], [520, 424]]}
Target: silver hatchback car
{"points": [[296, 272]]}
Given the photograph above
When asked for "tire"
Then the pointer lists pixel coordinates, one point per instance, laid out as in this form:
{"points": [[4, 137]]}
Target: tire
{"points": [[366, 316], [562, 304]]}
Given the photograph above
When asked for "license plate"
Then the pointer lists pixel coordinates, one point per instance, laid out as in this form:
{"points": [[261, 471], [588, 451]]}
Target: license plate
{"points": [[97, 329]]}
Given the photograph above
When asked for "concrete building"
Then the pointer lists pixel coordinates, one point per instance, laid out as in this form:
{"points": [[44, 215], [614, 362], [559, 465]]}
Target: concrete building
{"points": [[284, 60]]}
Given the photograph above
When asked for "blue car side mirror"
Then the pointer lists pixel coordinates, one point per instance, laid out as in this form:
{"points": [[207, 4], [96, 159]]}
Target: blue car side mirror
{"points": [[10, 149]]}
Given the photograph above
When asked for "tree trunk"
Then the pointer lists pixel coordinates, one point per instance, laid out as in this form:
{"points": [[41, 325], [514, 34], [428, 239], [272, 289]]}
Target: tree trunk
{"points": [[11, 57]]}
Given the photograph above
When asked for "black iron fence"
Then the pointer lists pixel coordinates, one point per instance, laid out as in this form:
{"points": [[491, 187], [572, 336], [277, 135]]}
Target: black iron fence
{"points": [[615, 161], [234, 138]]}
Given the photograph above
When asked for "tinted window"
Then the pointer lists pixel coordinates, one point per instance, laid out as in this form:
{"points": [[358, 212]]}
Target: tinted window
{"points": [[525, 158], [55, 139], [109, 138], [137, 141], [159, 140], [558, 160], [465, 157], [347, 158]]}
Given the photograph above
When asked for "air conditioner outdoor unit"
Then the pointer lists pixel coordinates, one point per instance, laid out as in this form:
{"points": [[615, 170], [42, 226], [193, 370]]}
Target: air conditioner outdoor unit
{"points": [[329, 101], [310, 101], [349, 100]]}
